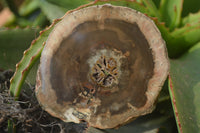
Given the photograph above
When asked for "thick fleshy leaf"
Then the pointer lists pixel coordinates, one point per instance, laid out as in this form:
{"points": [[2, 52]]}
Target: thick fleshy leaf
{"points": [[12, 44], [183, 38], [157, 3], [191, 19], [69, 4], [29, 58], [52, 11], [55, 9], [171, 12], [153, 11], [28, 7], [184, 87]]}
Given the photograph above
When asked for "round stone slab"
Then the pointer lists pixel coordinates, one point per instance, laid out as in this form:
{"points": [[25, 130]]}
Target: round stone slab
{"points": [[102, 64]]}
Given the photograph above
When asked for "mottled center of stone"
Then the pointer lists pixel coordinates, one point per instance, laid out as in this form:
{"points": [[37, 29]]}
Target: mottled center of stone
{"points": [[105, 71], [105, 67]]}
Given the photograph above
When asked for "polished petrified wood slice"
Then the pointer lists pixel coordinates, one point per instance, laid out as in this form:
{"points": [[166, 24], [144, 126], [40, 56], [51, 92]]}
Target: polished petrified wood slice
{"points": [[102, 64]]}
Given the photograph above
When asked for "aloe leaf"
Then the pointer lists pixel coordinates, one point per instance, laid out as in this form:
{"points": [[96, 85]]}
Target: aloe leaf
{"points": [[184, 84], [12, 44], [153, 11], [40, 21], [28, 7], [12, 6], [157, 3], [68, 4], [183, 38], [52, 11], [191, 19], [30, 56], [56, 9], [171, 12], [139, 1]]}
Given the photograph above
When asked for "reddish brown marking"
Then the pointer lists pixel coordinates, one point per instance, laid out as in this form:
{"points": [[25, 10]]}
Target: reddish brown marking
{"points": [[175, 9], [32, 43], [26, 69], [188, 25], [174, 103]]}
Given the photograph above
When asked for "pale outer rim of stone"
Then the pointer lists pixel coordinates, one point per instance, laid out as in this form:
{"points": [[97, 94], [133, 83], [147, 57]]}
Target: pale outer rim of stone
{"points": [[99, 13]]}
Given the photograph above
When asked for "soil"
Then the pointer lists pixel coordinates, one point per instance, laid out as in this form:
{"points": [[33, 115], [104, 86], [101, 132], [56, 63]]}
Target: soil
{"points": [[26, 114]]}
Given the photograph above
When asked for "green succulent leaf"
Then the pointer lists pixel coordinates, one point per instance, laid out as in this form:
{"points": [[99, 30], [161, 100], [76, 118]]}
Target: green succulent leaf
{"points": [[40, 21], [56, 9], [12, 44], [28, 7], [184, 87], [68, 4], [157, 3], [191, 19], [171, 12], [153, 11], [52, 11], [30, 57], [183, 38]]}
